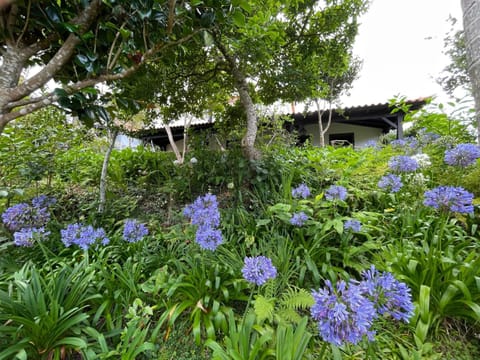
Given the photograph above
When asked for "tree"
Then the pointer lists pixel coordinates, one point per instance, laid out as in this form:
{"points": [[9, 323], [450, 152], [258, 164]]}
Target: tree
{"points": [[276, 50], [471, 25], [182, 84], [79, 44], [455, 75]]}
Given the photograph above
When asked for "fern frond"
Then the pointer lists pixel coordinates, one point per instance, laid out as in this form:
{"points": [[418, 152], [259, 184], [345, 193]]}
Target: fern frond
{"points": [[285, 315], [264, 308], [296, 299]]}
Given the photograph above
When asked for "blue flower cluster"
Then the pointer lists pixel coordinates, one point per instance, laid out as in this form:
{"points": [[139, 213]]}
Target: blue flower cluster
{"points": [[27, 221], [134, 231], [343, 313], [449, 198], [352, 224], [427, 137], [204, 213], [336, 192], [83, 236], [403, 163], [298, 219], [301, 191], [462, 155], [27, 236], [392, 297], [408, 143], [346, 313], [23, 215], [390, 182], [258, 269]]}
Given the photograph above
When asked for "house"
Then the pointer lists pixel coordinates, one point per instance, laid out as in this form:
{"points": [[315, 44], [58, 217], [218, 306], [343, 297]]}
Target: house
{"points": [[354, 126]]}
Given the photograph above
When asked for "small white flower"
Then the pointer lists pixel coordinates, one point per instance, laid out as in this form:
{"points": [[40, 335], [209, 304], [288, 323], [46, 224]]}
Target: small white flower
{"points": [[193, 160], [423, 160]]}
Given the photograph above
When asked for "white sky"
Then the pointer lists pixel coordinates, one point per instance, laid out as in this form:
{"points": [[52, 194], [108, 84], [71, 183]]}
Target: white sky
{"points": [[401, 44]]}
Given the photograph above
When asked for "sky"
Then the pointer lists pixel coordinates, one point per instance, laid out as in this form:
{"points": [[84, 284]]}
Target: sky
{"points": [[401, 43]]}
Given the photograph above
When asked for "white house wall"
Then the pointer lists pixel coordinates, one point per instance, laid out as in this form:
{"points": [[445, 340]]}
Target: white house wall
{"points": [[362, 134]]}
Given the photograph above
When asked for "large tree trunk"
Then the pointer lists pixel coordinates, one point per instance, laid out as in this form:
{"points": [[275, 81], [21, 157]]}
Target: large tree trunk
{"points": [[471, 25], [248, 141]]}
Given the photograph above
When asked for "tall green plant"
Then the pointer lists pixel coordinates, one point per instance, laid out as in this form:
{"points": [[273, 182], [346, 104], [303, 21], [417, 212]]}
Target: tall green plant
{"points": [[45, 312]]}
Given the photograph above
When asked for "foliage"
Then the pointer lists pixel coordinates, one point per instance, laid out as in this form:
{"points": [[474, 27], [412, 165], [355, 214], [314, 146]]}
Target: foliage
{"points": [[29, 149], [455, 75], [163, 297], [45, 311]]}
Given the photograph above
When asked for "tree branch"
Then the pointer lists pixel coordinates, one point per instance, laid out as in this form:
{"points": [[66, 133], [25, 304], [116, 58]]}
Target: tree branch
{"points": [[62, 56], [40, 102], [27, 19], [171, 16]]}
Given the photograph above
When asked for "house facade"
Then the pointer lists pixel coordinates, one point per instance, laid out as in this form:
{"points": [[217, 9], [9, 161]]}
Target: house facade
{"points": [[352, 126]]}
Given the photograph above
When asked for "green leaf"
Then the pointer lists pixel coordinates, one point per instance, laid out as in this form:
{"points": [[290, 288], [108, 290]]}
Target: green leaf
{"points": [[263, 222], [424, 303], [71, 27], [238, 18]]}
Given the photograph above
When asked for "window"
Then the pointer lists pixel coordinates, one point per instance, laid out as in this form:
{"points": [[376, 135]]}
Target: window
{"points": [[344, 139]]}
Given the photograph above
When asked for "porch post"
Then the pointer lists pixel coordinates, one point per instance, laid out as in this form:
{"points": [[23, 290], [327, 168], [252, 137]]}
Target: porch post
{"points": [[400, 116]]}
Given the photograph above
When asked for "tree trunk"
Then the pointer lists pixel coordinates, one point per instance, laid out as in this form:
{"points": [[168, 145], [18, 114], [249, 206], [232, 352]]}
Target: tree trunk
{"points": [[103, 176], [171, 140], [471, 26], [323, 130], [248, 141], [321, 133]]}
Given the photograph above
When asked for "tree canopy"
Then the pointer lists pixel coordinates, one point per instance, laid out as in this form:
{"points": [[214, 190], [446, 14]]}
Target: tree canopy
{"points": [[269, 50]]}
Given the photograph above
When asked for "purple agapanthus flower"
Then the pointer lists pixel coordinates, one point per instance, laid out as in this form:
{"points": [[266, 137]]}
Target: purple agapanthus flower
{"points": [[24, 215], [28, 236], [83, 236], [462, 155], [203, 211], [43, 201], [408, 142], [403, 163], [17, 217], [449, 198], [343, 314], [298, 219], [258, 270], [352, 224], [391, 183], [427, 137], [134, 231], [389, 295], [336, 192], [208, 237], [301, 191], [346, 313]]}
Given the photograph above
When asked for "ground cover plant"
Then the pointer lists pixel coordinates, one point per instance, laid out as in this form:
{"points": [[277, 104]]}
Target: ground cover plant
{"points": [[306, 253]]}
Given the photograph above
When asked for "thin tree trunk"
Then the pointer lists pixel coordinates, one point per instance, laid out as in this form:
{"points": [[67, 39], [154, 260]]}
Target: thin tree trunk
{"points": [[323, 130], [103, 177], [174, 146], [471, 26]]}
